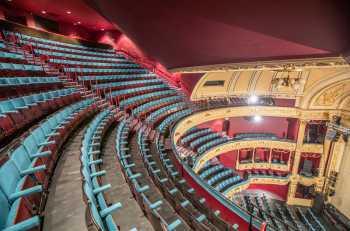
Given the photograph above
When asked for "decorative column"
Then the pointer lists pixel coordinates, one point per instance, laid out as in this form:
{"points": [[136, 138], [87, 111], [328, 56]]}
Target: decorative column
{"points": [[299, 144], [270, 158], [289, 159], [253, 156], [297, 154]]}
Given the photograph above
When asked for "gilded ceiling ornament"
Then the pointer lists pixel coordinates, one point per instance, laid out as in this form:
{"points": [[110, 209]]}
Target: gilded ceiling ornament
{"points": [[329, 97]]}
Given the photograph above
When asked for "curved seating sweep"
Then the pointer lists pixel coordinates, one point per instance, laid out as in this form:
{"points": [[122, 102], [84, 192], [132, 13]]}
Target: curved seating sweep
{"points": [[19, 112], [24, 176], [99, 210]]}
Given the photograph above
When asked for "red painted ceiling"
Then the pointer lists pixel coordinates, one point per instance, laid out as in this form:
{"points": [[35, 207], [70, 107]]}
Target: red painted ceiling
{"points": [[189, 33], [57, 10]]}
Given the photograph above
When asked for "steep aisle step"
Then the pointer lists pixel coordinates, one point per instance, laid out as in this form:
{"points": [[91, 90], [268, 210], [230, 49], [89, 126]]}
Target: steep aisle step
{"points": [[130, 216], [65, 208]]}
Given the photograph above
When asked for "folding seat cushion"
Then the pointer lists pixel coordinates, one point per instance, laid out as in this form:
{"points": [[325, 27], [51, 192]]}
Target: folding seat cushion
{"points": [[32, 167], [9, 109], [15, 216], [56, 97], [43, 104], [43, 141], [7, 126], [16, 184], [49, 101], [51, 133], [31, 113], [45, 155], [19, 104], [100, 217]]}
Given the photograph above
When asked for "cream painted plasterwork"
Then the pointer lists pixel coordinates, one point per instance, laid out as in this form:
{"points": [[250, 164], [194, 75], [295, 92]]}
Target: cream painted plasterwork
{"points": [[309, 63], [245, 83], [220, 113], [235, 145]]}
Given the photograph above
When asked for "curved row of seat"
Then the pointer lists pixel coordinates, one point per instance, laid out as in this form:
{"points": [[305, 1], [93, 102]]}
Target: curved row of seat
{"points": [[20, 67], [173, 118], [141, 109], [19, 86], [163, 111], [204, 138], [17, 113], [53, 42], [184, 207], [15, 81], [24, 177], [59, 46], [129, 84], [193, 134], [121, 63], [11, 55], [215, 142], [74, 56], [240, 136], [209, 170], [104, 70], [107, 78], [99, 209], [168, 161], [145, 97], [150, 205]]}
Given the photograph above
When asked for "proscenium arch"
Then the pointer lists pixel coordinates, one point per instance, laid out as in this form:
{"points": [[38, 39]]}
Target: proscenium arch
{"points": [[321, 85]]}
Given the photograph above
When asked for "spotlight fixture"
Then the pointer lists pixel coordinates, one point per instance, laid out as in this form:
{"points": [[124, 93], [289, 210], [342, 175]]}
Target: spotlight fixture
{"points": [[257, 118], [253, 99], [68, 12], [43, 11], [102, 29], [79, 22]]}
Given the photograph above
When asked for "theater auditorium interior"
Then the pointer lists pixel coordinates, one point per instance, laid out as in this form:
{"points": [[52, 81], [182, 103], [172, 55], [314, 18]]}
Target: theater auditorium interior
{"points": [[174, 115]]}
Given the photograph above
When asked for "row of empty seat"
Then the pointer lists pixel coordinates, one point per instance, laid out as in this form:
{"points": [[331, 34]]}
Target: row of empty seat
{"points": [[17, 113], [99, 208], [24, 177]]}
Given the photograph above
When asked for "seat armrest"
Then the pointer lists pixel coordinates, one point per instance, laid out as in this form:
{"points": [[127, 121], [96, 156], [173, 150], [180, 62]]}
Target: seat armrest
{"points": [[52, 134], [26, 192], [99, 173], [47, 143], [11, 111], [27, 224], [109, 210], [41, 154], [98, 161], [33, 170], [23, 107], [102, 188]]}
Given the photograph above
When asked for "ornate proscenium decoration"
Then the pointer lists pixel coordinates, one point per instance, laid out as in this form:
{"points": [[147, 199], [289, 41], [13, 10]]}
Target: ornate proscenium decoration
{"points": [[282, 78], [335, 130]]}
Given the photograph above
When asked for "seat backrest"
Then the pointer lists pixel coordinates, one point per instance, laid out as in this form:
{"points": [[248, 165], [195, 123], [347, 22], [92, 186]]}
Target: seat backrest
{"points": [[46, 127], [7, 105], [9, 177], [18, 102], [53, 122], [29, 99], [38, 134], [5, 208], [21, 158], [30, 144]]}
